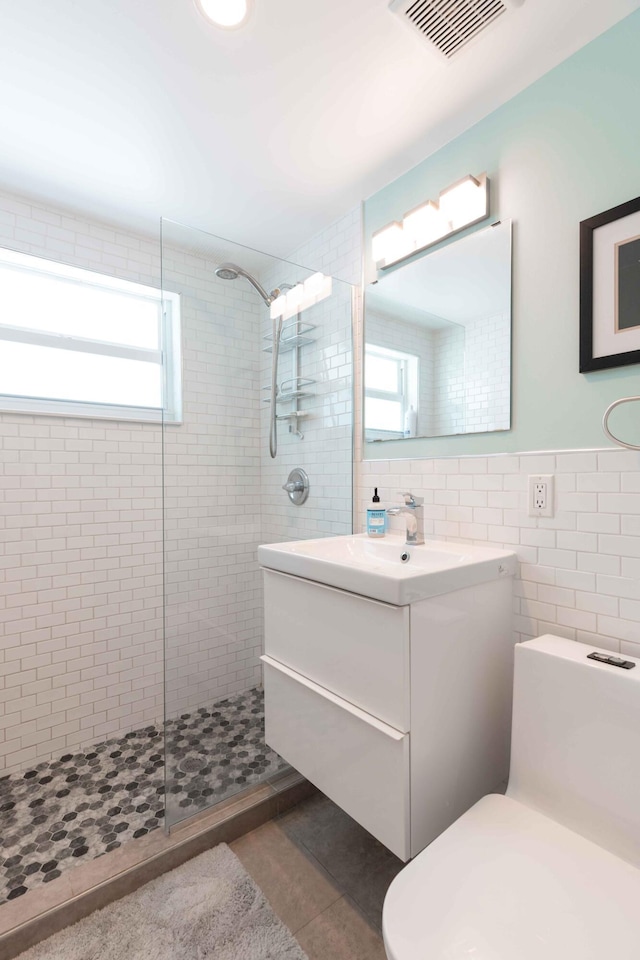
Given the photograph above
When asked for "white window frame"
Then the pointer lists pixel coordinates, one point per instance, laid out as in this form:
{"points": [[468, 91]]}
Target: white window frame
{"points": [[169, 358], [406, 395]]}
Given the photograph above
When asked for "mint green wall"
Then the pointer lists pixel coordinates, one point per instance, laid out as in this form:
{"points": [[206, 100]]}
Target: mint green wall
{"points": [[564, 149]]}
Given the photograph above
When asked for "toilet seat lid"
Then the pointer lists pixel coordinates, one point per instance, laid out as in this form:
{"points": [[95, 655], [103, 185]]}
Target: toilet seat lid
{"points": [[507, 883]]}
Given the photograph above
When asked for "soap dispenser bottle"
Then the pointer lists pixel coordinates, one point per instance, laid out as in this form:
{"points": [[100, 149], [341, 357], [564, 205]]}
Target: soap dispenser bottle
{"points": [[376, 517]]}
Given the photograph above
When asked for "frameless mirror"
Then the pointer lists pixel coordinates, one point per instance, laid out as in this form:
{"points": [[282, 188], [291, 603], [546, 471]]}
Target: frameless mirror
{"points": [[437, 352]]}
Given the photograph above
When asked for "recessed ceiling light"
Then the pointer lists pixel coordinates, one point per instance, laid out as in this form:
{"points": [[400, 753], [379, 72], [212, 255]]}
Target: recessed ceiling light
{"points": [[225, 13]]}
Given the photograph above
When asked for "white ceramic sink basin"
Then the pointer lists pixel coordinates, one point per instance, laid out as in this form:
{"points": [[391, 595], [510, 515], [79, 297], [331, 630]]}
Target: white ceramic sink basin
{"points": [[377, 568]]}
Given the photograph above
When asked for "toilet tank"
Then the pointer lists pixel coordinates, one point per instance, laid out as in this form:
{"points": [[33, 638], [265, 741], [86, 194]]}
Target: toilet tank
{"points": [[575, 748]]}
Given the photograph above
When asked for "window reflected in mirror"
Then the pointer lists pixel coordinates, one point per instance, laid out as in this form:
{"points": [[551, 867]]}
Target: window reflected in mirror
{"points": [[437, 355], [392, 400]]}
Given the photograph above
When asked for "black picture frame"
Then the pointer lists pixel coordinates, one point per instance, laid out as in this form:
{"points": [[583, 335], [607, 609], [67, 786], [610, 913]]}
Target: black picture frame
{"points": [[588, 362]]}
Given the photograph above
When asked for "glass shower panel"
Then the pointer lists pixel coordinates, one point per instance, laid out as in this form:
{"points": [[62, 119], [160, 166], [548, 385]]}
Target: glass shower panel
{"points": [[223, 493], [81, 751]]}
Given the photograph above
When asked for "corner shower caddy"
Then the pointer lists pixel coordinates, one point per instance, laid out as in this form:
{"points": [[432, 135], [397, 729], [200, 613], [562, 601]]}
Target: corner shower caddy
{"points": [[293, 389]]}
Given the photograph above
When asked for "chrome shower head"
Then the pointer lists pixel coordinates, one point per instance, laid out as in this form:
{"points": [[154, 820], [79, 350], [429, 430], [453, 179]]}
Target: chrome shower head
{"points": [[231, 271], [227, 271]]}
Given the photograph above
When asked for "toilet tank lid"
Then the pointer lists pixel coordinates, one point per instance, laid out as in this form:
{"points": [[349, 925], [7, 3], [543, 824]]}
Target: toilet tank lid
{"points": [[580, 652], [575, 744], [505, 881]]}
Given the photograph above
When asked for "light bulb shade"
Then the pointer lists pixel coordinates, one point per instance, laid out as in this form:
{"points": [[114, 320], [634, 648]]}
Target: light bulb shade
{"points": [[388, 243], [295, 297], [313, 284], [425, 224], [465, 201], [303, 295], [316, 288], [327, 287], [292, 302], [225, 13], [461, 205], [278, 306]]}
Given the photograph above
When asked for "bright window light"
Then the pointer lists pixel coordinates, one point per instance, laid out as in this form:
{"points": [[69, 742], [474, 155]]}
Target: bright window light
{"points": [[30, 370], [391, 388], [78, 343], [384, 372], [383, 415], [226, 13]]}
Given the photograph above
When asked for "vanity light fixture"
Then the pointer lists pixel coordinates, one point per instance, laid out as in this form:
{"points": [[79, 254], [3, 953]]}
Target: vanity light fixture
{"points": [[387, 243], [425, 224], [315, 288], [228, 14], [460, 205], [464, 201], [294, 298]]}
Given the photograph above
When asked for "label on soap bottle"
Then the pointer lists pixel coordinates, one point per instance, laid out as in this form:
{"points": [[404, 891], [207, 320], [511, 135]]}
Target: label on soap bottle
{"points": [[376, 522]]}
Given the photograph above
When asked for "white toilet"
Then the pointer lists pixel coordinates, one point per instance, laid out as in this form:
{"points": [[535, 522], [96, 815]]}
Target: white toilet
{"points": [[551, 871]]}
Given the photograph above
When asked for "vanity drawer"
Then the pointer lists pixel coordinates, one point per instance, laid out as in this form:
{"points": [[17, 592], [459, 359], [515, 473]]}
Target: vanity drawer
{"points": [[355, 647], [357, 761]]}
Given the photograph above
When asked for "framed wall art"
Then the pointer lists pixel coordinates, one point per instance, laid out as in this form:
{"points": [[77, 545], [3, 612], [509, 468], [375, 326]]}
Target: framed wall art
{"points": [[610, 288]]}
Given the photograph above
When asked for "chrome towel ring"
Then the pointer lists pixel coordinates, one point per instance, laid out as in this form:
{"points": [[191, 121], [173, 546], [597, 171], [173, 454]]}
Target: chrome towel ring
{"points": [[605, 422]]}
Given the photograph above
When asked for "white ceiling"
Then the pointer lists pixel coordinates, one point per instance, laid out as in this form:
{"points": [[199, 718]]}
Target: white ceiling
{"points": [[133, 109]]}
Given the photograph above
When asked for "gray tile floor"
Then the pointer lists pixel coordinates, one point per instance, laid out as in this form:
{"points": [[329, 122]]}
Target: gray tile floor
{"points": [[325, 877], [82, 805], [361, 866]]}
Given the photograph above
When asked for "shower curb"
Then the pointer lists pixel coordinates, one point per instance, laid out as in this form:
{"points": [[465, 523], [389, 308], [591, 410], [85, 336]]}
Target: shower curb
{"points": [[24, 935]]}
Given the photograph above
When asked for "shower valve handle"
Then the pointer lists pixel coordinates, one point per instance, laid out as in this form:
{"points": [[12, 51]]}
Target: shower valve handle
{"points": [[293, 486], [297, 486]]}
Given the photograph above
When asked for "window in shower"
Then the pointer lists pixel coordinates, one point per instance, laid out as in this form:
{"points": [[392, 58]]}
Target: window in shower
{"points": [[78, 343]]}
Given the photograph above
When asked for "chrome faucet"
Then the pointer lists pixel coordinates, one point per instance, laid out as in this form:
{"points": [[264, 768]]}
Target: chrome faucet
{"points": [[414, 516]]}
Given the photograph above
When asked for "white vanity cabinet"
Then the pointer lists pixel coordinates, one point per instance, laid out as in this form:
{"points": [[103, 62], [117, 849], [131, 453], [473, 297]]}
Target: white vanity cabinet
{"points": [[400, 714]]}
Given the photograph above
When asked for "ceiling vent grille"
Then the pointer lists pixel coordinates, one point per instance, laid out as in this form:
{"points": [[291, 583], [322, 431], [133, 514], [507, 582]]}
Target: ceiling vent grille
{"points": [[449, 24]]}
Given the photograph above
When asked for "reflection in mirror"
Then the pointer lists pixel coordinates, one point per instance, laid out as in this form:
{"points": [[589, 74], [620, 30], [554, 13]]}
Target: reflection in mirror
{"points": [[437, 355]]}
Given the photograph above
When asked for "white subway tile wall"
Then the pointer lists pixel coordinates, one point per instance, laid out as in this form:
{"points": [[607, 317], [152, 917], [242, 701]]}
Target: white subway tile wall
{"points": [[326, 453], [335, 251], [212, 474], [81, 535], [81, 653], [487, 374], [579, 570], [450, 386]]}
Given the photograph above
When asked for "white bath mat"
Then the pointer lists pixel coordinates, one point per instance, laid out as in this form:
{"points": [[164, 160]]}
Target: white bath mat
{"points": [[207, 909]]}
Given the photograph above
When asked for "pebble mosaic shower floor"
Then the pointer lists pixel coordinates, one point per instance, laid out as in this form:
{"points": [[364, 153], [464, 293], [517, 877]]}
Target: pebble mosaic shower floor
{"points": [[85, 804]]}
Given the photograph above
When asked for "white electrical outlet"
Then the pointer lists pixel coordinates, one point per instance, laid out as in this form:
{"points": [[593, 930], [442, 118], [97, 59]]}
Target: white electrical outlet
{"points": [[541, 496]]}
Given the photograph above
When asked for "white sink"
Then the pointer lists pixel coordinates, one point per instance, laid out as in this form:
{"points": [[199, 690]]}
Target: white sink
{"points": [[377, 568]]}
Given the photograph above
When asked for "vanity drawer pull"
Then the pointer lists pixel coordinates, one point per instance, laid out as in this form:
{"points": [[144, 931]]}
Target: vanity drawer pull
{"points": [[355, 647]]}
